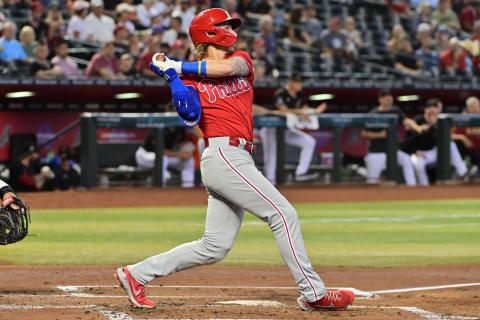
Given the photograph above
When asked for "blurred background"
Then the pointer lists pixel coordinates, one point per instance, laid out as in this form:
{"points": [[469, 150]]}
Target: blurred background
{"points": [[61, 58]]}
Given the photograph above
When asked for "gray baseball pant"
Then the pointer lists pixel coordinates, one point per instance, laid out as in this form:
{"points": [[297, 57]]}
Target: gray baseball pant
{"points": [[234, 184]]}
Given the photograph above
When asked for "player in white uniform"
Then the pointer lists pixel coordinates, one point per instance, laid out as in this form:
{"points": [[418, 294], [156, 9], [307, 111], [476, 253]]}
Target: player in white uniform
{"points": [[181, 159], [424, 145], [290, 99], [376, 158]]}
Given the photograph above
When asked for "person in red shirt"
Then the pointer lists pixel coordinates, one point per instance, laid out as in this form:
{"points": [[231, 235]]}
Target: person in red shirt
{"points": [[469, 15], [455, 58], [153, 46], [104, 64], [217, 95]]}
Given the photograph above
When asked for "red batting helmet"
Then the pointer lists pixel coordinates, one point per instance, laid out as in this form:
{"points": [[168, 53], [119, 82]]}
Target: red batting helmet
{"points": [[204, 27]]}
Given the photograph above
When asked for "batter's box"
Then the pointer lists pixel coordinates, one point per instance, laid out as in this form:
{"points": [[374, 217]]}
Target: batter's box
{"points": [[107, 291]]}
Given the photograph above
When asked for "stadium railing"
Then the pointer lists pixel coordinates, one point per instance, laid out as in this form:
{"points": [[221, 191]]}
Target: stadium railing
{"points": [[91, 121]]}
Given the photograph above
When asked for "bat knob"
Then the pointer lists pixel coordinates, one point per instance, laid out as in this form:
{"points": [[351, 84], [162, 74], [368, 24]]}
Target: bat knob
{"points": [[159, 57]]}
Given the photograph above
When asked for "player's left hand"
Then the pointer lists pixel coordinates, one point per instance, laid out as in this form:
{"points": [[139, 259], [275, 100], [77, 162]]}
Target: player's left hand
{"points": [[162, 62]]}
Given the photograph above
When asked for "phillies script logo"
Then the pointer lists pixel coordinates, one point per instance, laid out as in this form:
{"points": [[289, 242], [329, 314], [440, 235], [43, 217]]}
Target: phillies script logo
{"points": [[223, 88]]}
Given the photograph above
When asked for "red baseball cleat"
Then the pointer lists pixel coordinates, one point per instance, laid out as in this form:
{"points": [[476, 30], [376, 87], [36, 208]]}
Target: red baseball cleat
{"points": [[333, 300], [135, 290]]}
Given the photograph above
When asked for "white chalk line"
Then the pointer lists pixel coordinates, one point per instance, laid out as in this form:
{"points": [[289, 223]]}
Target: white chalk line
{"points": [[116, 315], [423, 313], [448, 286], [113, 315], [26, 307], [376, 219], [73, 290]]}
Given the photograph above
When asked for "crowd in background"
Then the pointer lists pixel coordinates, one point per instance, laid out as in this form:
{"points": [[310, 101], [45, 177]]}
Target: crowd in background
{"points": [[44, 35], [444, 37]]}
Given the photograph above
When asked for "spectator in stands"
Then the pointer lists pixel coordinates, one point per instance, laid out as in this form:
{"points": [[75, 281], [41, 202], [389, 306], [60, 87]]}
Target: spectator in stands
{"points": [[176, 52], [76, 26], [10, 48], [311, 24], [231, 8], [399, 7], [398, 33], [296, 32], [376, 158], [164, 9], [423, 15], [42, 68], [186, 11], [56, 25], [260, 69], [36, 22], [425, 145], [104, 64], [67, 172], [468, 139], [427, 57], [165, 48], [68, 65], [187, 51], [262, 7], [125, 12], [99, 25], [455, 59], [445, 15], [145, 12], [171, 34], [260, 54], [405, 60], [27, 174], [354, 37], [153, 46], [334, 44], [442, 39], [178, 154], [27, 39], [245, 7], [267, 34], [120, 40], [126, 65], [423, 30], [469, 15], [135, 45], [476, 30]]}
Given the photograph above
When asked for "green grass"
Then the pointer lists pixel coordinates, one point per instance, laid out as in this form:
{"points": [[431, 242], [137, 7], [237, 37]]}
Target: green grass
{"points": [[342, 234]]}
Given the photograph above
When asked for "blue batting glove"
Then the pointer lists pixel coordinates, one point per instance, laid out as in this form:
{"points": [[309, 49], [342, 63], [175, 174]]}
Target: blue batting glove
{"points": [[169, 74], [156, 70]]}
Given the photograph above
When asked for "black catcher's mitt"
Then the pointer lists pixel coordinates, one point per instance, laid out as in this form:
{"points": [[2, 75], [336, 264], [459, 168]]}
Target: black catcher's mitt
{"points": [[13, 222]]}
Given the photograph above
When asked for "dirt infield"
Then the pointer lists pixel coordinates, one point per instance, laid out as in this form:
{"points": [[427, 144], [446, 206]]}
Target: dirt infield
{"points": [[219, 292]]}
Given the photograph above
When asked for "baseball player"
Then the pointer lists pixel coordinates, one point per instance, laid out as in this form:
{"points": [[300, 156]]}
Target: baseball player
{"points": [[14, 216], [290, 99], [178, 154], [217, 94], [424, 145], [7, 194], [376, 158]]}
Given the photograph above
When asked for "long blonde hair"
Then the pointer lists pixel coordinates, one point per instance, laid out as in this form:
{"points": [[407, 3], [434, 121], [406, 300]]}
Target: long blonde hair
{"points": [[201, 51]]}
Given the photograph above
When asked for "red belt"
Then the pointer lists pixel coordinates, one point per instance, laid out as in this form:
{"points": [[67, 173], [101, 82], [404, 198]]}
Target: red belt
{"points": [[249, 146]]}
